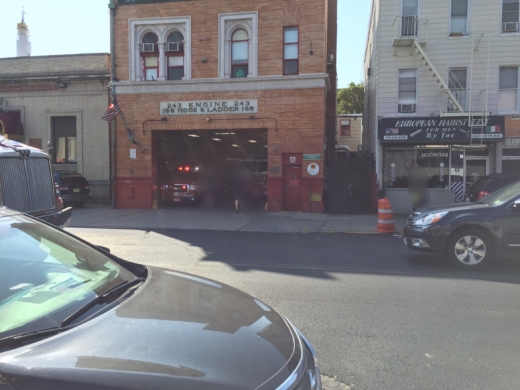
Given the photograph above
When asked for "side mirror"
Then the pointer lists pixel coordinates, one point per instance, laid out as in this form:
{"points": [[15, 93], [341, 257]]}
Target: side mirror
{"points": [[103, 248], [50, 149]]}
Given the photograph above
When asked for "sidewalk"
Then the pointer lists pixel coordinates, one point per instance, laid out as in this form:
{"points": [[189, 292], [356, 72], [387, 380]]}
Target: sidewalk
{"points": [[100, 216]]}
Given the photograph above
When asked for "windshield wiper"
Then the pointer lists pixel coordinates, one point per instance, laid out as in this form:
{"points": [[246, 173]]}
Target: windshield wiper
{"points": [[34, 334], [65, 325], [101, 298]]}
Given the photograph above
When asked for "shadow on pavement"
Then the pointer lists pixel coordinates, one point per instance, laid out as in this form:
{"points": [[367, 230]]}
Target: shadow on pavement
{"points": [[319, 255]]}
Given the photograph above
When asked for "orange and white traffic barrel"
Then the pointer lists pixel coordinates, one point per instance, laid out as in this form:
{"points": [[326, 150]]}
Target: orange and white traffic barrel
{"points": [[385, 217]]}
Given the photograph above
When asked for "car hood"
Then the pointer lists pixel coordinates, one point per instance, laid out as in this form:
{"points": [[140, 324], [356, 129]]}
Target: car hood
{"points": [[176, 331], [454, 207]]}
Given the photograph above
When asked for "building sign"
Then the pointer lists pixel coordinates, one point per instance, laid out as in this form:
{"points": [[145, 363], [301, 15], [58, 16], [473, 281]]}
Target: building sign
{"points": [[206, 107], [315, 197], [312, 157], [28, 88], [446, 130], [313, 169]]}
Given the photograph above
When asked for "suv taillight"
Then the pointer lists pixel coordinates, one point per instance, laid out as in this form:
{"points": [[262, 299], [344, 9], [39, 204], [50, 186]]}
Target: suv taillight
{"points": [[59, 202], [87, 186], [64, 188], [482, 194], [57, 188]]}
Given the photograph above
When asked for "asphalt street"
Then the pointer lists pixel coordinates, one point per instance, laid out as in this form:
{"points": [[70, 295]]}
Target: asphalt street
{"points": [[379, 315]]}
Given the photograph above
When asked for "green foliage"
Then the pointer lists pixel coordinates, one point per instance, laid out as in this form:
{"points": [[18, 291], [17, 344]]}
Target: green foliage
{"points": [[351, 99]]}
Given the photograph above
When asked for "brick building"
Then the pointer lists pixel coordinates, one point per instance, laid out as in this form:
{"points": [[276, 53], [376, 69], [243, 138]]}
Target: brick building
{"points": [[257, 78], [349, 131]]}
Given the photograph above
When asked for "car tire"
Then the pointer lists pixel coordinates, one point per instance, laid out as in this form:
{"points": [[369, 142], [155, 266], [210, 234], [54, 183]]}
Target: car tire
{"points": [[470, 248], [79, 204]]}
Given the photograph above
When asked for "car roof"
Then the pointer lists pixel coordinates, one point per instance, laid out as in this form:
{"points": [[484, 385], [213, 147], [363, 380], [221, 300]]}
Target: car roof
{"points": [[8, 148], [504, 175], [5, 212]]}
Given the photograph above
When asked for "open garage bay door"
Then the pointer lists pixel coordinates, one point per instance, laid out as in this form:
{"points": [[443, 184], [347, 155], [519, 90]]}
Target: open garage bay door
{"points": [[201, 167]]}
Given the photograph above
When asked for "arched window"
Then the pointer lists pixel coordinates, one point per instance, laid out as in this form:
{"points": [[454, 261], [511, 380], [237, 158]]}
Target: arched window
{"points": [[239, 54], [150, 56], [175, 54]]}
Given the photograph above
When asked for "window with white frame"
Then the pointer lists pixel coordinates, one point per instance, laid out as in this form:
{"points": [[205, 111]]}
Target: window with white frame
{"points": [[459, 17], [239, 53], [238, 45], [407, 98], [160, 49], [290, 50], [175, 56], [508, 89], [457, 83], [150, 56], [510, 16]]}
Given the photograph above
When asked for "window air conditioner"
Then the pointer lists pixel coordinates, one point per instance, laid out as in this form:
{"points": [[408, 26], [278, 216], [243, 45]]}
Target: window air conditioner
{"points": [[406, 108], [330, 59], [174, 46], [510, 26], [148, 47]]}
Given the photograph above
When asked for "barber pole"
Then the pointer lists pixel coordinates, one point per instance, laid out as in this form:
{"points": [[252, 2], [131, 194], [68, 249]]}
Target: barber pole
{"points": [[392, 172], [441, 173]]}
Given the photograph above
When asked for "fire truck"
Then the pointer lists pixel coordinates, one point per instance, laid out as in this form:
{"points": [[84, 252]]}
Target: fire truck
{"points": [[27, 183]]}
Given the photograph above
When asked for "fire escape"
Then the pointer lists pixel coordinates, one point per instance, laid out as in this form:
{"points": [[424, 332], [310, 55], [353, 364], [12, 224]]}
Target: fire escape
{"points": [[455, 99]]}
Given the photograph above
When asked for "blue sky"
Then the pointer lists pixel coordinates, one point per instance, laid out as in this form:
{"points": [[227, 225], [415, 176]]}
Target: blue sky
{"points": [[66, 27]]}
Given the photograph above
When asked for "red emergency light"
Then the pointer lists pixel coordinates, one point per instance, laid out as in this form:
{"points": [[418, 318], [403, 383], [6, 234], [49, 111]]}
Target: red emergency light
{"points": [[186, 169]]}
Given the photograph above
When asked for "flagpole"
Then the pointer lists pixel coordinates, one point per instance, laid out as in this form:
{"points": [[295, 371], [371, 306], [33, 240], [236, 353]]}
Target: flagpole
{"points": [[131, 135]]}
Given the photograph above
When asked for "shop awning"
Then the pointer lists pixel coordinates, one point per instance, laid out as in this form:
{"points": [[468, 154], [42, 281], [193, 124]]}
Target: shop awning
{"points": [[10, 125]]}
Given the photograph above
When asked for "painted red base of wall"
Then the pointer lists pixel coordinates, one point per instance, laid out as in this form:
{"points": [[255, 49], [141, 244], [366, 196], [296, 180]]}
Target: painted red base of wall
{"points": [[275, 194], [133, 193]]}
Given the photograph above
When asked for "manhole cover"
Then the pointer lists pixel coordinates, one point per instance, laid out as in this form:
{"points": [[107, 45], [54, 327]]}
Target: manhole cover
{"points": [[329, 383]]}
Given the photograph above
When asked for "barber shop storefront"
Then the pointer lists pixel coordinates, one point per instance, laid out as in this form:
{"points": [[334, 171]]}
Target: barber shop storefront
{"points": [[450, 153]]}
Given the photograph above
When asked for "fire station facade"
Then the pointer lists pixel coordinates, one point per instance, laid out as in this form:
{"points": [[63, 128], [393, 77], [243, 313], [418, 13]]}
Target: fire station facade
{"points": [[259, 70]]}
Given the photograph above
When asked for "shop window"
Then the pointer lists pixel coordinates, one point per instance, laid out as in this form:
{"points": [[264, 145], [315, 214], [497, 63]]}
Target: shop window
{"points": [[457, 80], [64, 139], [459, 17], [345, 128], [510, 16], [428, 164], [150, 56], [290, 50], [175, 56], [508, 89], [407, 100], [239, 54], [238, 45]]}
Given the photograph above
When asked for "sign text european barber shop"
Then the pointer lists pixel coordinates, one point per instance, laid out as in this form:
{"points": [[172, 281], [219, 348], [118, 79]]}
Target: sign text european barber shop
{"points": [[445, 130], [206, 107]]}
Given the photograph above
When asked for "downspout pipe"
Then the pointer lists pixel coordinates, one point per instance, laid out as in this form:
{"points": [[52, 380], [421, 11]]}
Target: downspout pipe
{"points": [[112, 6]]}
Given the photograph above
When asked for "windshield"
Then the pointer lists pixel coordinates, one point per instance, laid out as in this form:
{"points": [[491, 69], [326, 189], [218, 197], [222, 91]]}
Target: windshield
{"points": [[46, 275], [503, 195]]}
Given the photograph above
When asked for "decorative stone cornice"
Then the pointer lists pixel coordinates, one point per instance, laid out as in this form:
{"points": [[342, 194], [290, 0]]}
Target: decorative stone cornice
{"points": [[250, 84]]}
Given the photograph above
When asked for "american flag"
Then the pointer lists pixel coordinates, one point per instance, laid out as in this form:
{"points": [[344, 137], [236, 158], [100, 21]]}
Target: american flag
{"points": [[112, 111], [392, 131]]}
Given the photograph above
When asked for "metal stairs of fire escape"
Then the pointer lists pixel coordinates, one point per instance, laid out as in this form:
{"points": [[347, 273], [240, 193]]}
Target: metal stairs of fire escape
{"points": [[442, 84]]}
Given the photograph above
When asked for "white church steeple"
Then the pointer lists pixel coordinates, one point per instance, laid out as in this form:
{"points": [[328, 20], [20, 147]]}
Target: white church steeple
{"points": [[23, 46]]}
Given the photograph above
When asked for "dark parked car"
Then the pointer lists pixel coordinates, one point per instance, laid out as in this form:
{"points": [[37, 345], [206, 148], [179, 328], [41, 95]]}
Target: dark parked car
{"points": [[488, 184], [470, 234], [73, 316], [74, 188]]}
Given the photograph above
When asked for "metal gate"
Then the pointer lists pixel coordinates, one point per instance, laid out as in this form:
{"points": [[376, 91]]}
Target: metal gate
{"points": [[349, 184]]}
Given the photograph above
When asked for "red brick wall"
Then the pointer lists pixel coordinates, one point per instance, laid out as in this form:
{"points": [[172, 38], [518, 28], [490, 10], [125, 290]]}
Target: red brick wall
{"points": [[300, 116], [204, 37], [512, 127]]}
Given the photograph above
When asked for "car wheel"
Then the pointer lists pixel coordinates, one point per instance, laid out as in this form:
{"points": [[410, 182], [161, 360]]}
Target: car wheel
{"points": [[470, 248], [79, 204]]}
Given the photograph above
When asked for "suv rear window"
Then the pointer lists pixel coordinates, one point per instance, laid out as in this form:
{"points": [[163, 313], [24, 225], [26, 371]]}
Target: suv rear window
{"points": [[477, 186]]}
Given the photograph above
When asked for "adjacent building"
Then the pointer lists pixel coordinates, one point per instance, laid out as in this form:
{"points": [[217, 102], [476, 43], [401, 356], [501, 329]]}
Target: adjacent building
{"points": [[204, 82], [441, 82], [349, 131]]}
